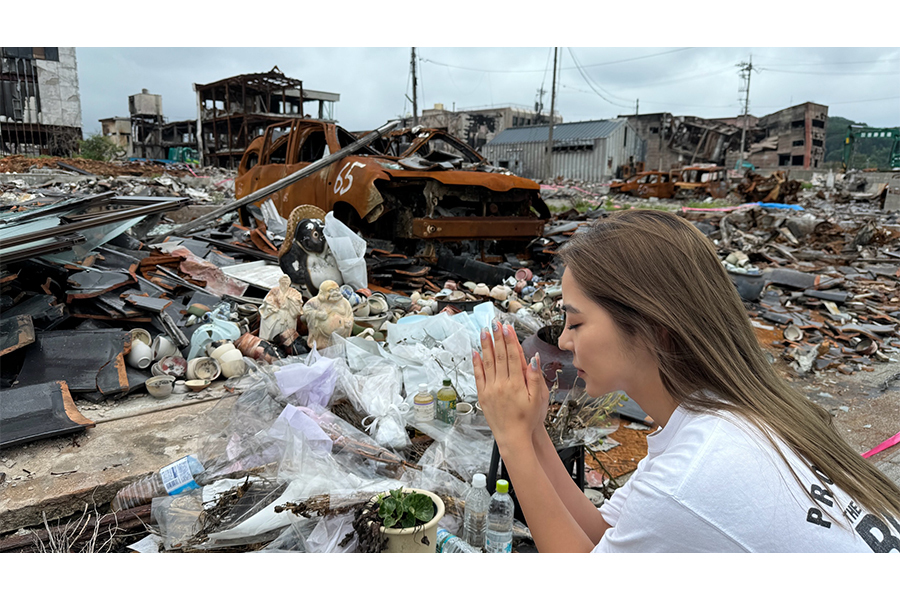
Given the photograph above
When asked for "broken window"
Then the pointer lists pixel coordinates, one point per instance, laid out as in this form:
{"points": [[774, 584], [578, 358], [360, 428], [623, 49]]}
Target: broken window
{"points": [[504, 164], [654, 130], [797, 143], [797, 124], [797, 161], [784, 159], [818, 123], [345, 139], [818, 143], [313, 147]]}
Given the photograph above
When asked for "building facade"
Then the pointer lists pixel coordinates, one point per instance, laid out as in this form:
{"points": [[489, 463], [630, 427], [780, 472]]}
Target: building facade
{"points": [[586, 150], [477, 127], [234, 111], [793, 137], [40, 104]]}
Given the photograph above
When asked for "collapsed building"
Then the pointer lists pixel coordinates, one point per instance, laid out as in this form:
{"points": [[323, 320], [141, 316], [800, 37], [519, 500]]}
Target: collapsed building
{"points": [[585, 150], [674, 141], [40, 105], [234, 111], [147, 134], [477, 127], [793, 137]]}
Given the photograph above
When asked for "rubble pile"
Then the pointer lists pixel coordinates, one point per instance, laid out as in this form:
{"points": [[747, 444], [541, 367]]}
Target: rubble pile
{"points": [[113, 287]]}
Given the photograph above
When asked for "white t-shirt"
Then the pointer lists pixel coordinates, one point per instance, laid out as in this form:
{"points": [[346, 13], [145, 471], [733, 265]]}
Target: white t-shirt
{"points": [[710, 485]]}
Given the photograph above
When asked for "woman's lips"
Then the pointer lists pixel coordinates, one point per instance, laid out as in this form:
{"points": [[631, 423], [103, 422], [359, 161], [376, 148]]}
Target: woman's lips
{"points": [[581, 373]]}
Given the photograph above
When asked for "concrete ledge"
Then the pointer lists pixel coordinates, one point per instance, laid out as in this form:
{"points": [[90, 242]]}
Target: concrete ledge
{"points": [[59, 475]]}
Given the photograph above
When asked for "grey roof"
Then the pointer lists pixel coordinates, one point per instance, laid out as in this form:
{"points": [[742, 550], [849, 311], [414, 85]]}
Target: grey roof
{"points": [[582, 130]]}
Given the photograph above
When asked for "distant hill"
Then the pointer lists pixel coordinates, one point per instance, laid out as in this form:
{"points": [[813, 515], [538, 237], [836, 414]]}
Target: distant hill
{"points": [[867, 153]]}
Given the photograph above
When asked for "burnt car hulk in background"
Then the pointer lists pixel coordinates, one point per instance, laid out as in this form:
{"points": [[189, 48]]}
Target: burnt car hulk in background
{"points": [[415, 184]]}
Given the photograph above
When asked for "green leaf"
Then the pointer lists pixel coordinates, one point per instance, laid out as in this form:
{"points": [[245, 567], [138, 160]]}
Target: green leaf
{"points": [[388, 506], [390, 521], [422, 506], [408, 520]]}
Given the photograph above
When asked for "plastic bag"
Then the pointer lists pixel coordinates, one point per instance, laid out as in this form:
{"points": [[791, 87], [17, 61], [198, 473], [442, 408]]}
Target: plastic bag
{"points": [[306, 384], [177, 517], [349, 251], [330, 532]]}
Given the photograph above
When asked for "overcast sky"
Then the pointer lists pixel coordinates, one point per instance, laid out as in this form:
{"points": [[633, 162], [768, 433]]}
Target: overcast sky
{"points": [[862, 84]]}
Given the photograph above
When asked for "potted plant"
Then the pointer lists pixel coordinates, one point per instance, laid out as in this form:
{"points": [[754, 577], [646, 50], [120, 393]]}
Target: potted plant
{"points": [[402, 520]]}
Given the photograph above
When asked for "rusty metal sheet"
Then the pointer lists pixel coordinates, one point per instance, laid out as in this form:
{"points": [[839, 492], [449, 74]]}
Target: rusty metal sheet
{"points": [[478, 228], [496, 182]]}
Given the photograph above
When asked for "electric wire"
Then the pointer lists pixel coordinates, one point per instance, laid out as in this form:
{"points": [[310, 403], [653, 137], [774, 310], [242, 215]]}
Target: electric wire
{"points": [[588, 81], [595, 83], [612, 62]]}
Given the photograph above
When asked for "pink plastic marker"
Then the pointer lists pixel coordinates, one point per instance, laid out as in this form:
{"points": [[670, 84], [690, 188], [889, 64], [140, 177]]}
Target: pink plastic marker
{"points": [[891, 441]]}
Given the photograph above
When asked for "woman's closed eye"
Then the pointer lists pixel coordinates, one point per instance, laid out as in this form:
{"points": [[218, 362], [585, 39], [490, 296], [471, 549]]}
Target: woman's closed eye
{"points": [[573, 326]]}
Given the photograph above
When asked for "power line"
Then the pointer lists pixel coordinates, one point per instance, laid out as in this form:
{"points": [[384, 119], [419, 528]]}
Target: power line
{"points": [[825, 72], [595, 83], [588, 81], [825, 64], [612, 62]]}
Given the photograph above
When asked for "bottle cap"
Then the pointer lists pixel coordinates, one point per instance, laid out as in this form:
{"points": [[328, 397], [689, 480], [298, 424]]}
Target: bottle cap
{"points": [[423, 388], [502, 486], [447, 382], [479, 480]]}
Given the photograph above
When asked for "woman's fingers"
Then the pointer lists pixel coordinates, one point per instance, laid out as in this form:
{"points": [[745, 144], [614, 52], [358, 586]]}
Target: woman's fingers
{"points": [[478, 368], [500, 353], [487, 356]]}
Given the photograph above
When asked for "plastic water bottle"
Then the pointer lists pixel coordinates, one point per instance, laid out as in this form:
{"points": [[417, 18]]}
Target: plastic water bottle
{"points": [[475, 517], [500, 520], [170, 480], [447, 543]]}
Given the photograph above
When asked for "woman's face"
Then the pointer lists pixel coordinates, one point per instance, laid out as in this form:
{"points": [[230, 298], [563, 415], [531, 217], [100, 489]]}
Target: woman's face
{"points": [[606, 361]]}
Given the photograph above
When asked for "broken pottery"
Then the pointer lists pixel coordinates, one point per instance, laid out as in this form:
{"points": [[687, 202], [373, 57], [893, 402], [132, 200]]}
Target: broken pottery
{"points": [[163, 347], [203, 368], [329, 312], [142, 335], [195, 385], [141, 354], [160, 386]]}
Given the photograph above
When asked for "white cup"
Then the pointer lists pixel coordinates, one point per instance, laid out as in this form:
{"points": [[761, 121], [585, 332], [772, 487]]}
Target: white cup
{"points": [[163, 347], [141, 355]]}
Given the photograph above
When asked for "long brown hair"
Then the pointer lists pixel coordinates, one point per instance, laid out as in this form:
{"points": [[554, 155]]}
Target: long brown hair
{"points": [[662, 282]]}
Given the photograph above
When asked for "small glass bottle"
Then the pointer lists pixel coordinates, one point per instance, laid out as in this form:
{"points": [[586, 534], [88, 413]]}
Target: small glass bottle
{"points": [[424, 404], [446, 403]]}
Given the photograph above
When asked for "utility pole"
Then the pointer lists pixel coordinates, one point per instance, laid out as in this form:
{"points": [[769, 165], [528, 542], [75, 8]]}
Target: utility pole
{"points": [[746, 70], [412, 63], [637, 106], [548, 169]]}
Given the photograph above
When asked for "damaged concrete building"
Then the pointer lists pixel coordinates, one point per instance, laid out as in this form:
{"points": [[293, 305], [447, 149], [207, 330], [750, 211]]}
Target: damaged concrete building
{"points": [[146, 133], [676, 141], [234, 111], [793, 137], [586, 150], [40, 105], [478, 126]]}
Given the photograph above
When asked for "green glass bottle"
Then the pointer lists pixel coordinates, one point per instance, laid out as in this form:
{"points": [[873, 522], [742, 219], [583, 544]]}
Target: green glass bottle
{"points": [[446, 403]]}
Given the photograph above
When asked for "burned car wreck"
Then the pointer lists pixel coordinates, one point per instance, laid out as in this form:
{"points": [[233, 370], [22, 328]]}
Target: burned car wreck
{"points": [[412, 184]]}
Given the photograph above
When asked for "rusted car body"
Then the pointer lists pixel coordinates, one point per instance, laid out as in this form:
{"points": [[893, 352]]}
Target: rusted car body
{"points": [[703, 180], [436, 188], [647, 184]]}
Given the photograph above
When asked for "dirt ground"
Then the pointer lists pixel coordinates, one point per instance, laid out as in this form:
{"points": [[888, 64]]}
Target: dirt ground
{"points": [[21, 164]]}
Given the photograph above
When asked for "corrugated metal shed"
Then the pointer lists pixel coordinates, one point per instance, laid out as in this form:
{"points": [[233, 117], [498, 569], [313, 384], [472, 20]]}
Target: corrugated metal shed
{"points": [[582, 130], [587, 150]]}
